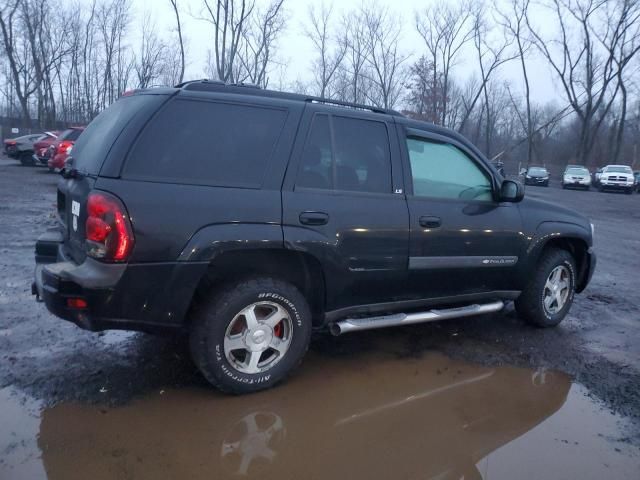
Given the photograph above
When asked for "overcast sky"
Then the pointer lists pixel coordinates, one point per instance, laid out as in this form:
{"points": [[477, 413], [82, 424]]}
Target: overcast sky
{"points": [[295, 49]]}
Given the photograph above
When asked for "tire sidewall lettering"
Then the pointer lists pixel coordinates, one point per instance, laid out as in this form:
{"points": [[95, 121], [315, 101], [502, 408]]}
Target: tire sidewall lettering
{"points": [[259, 378]]}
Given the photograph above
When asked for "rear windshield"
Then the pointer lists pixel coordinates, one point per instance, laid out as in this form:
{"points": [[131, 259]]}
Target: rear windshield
{"points": [[71, 134], [96, 140], [207, 143]]}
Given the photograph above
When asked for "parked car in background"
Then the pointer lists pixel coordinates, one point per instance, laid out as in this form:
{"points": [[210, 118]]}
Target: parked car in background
{"points": [[41, 147], [595, 177], [21, 148], [60, 149], [617, 177], [537, 176], [576, 176]]}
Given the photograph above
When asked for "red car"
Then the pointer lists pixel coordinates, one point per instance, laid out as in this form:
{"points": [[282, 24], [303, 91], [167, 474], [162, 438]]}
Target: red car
{"points": [[60, 149], [41, 147]]}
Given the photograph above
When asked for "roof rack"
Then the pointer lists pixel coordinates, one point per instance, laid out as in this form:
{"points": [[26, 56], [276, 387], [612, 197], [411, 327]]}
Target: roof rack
{"points": [[252, 89]]}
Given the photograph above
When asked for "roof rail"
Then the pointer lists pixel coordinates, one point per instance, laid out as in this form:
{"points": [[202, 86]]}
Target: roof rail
{"points": [[251, 89], [356, 106], [202, 81]]}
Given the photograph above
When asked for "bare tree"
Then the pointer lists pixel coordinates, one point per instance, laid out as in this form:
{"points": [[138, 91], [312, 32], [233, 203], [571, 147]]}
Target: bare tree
{"points": [[255, 54], [329, 51], [176, 12], [150, 57], [384, 59], [514, 24], [584, 74], [357, 50], [621, 39], [14, 49], [490, 56], [445, 29], [229, 19]]}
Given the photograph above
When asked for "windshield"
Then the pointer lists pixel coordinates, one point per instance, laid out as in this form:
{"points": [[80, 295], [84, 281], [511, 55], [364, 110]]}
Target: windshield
{"points": [[621, 169], [538, 171], [578, 171]]}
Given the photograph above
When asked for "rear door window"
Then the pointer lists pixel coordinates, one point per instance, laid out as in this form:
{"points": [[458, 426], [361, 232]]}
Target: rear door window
{"points": [[207, 143], [357, 160]]}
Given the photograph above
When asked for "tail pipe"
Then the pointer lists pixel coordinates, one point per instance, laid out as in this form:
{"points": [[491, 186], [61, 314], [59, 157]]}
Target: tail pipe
{"points": [[354, 324]]}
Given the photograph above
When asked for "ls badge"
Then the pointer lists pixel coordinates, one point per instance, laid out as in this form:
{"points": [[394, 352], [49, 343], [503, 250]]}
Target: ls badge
{"points": [[75, 211]]}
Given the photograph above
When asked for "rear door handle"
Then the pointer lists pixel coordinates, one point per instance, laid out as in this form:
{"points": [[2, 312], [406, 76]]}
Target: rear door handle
{"points": [[314, 218], [430, 222]]}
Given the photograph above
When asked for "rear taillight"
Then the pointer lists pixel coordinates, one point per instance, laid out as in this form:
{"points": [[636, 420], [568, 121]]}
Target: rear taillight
{"points": [[65, 147], [108, 229]]}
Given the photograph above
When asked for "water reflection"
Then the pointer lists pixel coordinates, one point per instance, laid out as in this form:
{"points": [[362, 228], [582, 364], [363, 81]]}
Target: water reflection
{"points": [[379, 417]]}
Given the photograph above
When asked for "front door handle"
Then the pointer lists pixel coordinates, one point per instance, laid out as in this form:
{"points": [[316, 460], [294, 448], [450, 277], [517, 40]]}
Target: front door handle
{"points": [[314, 218], [428, 221]]}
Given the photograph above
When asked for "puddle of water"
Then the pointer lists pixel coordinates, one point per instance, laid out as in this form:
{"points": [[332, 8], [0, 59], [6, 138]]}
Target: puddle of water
{"points": [[380, 417]]}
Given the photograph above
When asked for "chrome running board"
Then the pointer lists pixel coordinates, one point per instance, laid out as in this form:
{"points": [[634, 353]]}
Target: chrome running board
{"points": [[354, 324]]}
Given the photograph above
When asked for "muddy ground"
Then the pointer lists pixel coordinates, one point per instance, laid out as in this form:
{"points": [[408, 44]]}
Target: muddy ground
{"points": [[487, 396]]}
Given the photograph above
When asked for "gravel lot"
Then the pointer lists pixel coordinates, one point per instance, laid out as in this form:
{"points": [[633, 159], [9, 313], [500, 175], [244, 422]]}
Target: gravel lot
{"points": [[50, 362]]}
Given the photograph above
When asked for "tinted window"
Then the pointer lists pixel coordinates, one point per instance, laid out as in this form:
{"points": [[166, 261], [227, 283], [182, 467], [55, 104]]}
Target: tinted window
{"points": [[359, 161], [74, 133], [443, 171], [207, 143], [316, 168], [96, 140]]}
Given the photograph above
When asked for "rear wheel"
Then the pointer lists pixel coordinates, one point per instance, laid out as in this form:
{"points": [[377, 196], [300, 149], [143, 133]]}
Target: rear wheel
{"points": [[548, 297], [251, 336], [26, 159]]}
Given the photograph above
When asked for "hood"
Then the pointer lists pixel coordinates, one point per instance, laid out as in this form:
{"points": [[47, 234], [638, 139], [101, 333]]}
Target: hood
{"points": [[537, 175]]}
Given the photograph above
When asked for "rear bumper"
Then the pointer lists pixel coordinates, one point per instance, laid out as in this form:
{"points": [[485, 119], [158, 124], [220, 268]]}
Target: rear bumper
{"points": [[143, 297]]}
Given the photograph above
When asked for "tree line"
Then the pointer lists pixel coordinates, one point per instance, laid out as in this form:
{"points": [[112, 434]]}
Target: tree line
{"points": [[64, 61]]}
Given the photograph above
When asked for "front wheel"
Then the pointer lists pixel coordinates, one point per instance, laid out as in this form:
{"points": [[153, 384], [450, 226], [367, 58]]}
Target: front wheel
{"points": [[251, 336], [548, 297]]}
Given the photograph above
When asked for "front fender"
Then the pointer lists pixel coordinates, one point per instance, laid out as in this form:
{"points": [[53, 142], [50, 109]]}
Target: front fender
{"points": [[553, 231]]}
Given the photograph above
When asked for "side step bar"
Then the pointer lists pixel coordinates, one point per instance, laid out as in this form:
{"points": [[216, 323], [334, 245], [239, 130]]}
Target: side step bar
{"points": [[354, 324]]}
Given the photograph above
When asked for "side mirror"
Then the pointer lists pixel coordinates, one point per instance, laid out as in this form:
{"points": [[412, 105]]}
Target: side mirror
{"points": [[511, 191]]}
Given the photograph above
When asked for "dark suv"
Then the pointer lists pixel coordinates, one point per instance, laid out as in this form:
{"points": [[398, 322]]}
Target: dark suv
{"points": [[248, 217]]}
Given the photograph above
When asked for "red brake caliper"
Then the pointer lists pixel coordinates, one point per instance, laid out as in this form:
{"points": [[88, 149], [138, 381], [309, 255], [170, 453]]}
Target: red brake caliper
{"points": [[278, 330]]}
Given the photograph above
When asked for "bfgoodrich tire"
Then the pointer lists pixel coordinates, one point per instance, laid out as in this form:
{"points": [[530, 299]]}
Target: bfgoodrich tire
{"points": [[249, 337], [549, 296]]}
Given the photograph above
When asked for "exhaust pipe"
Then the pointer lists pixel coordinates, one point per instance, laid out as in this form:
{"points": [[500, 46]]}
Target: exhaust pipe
{"points": [[369, 323]]}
